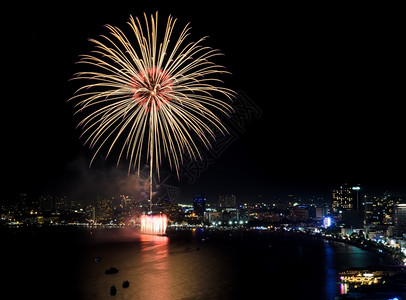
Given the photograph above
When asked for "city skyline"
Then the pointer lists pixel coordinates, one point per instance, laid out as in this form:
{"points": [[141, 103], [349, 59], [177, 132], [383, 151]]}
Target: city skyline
{"points": [[323, 85]]}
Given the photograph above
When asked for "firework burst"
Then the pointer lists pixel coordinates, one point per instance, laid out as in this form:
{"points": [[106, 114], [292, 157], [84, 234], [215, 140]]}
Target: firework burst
{"points": [[151, 97]]}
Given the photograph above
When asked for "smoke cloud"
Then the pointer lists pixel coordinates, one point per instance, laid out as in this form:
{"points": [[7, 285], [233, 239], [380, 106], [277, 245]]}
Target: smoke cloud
{"points": [[105, 180]]}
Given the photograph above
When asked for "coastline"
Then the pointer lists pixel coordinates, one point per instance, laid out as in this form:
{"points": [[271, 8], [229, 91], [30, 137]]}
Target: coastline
{"points": [[250, 249]]}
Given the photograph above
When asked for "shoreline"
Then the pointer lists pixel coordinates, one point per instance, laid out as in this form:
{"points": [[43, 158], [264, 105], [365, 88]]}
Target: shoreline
{"points": [[27, 231]]}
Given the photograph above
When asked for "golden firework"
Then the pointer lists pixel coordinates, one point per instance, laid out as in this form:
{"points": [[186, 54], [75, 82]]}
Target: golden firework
{"points": [[151, 97]]}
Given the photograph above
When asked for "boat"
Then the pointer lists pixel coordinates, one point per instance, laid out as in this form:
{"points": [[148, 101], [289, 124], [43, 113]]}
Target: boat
{"points": [[111, 271], [126, 284], [113, 290]]}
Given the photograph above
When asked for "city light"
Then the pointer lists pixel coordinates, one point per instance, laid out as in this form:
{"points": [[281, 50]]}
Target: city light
{"points": [[327, 222]]}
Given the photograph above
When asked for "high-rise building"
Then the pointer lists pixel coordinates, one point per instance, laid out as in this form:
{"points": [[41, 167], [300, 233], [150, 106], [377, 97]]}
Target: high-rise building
{"points": [[227, 201], [199, 205], [346, 198], [104, 209], [399, 219]]}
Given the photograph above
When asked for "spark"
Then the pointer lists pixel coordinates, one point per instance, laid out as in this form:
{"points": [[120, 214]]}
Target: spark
{"points": [[151, 97], [154, 224]]}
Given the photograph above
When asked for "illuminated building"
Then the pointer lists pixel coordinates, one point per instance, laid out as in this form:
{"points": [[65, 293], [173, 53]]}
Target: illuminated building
{"points": [[377, 211], [226, 201], [369, 217], [104, 209], [346, 198], [399, 219]]}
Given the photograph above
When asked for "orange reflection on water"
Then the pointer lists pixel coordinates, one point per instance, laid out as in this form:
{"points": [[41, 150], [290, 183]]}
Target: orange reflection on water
{"points": [[154, 281]]}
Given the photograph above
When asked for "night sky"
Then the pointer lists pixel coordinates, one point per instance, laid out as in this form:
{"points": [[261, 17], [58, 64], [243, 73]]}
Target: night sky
{"points": [[327, 81]]}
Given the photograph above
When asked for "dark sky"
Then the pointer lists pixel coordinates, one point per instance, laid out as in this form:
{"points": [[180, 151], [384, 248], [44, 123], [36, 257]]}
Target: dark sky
{"points": [[327, 81]]}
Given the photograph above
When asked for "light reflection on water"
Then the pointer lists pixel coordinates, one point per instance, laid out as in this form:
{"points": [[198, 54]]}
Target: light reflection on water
{"points": [[198, 267], [154, 282], [344, 288], [331, 272]]}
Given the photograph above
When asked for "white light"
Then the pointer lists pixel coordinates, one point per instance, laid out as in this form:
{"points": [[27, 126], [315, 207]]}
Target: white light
{"points": [[327, 222]]}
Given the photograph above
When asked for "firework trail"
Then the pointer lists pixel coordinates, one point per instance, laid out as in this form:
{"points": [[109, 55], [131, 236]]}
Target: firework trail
{"points": [[149, 96]]}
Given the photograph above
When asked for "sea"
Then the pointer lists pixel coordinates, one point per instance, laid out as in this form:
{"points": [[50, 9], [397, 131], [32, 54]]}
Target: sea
{"points": [[71, 262]]}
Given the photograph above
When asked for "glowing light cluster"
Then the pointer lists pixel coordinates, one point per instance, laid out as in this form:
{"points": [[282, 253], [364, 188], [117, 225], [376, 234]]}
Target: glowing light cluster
{"points": [[152, 87], [154, 224], [366, 278], [327, 222]]}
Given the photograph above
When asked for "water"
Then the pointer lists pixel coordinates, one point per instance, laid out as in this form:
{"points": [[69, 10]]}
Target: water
{"points": [[188, 265]]}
